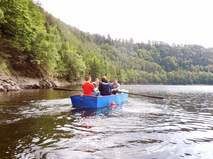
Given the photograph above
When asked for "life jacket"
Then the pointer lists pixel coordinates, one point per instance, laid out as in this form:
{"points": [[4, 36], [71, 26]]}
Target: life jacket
{"points": [[105, 88], [87, 88]]}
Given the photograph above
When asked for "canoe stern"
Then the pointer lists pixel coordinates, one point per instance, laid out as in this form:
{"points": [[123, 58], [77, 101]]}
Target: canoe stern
{"points": [[79, 101], [98, 101]]}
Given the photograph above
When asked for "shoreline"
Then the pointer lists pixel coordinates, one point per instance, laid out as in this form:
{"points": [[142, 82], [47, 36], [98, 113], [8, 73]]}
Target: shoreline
{"points": [[11, 83]]}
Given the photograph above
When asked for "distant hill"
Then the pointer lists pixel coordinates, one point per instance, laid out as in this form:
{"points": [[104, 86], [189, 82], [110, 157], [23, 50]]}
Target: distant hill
{"points": [[33, 43]]}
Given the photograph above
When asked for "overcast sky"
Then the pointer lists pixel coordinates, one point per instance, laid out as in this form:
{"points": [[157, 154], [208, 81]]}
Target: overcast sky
{"points": [[171, 21]]}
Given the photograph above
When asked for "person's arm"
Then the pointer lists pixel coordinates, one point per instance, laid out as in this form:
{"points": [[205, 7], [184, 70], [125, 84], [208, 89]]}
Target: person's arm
{"points": [[93, 87], [118, 86], [111, 85], [82, 87], [99, 87]]}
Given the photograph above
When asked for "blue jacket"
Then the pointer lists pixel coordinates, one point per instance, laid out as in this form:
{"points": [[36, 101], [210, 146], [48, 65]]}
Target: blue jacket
{"points": [[105, 88]]}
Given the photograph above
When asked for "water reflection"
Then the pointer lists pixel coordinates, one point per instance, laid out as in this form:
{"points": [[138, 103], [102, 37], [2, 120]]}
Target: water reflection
{"points": [[42, 124]]}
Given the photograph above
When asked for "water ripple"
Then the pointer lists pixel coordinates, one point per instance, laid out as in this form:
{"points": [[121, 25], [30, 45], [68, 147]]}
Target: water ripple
{"points": [[181, 126]]}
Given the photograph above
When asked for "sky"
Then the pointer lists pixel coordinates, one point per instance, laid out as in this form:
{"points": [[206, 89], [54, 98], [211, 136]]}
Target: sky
{"points": [[170, 21]]}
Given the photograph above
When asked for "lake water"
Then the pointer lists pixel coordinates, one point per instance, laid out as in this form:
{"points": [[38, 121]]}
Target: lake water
{"points": [[41, 124]]}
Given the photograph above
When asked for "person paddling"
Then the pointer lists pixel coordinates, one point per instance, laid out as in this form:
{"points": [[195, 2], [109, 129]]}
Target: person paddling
{"points": [[105, 87], [87, 86], [96, 85], [115, 86]]}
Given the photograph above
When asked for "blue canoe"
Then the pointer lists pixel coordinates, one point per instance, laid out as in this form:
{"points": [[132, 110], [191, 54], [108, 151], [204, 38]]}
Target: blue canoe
{"points": [[94, 102]]}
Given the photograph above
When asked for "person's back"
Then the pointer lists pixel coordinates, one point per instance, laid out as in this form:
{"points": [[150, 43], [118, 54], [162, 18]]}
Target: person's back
{"points": [[87, 86], [104, 87]]}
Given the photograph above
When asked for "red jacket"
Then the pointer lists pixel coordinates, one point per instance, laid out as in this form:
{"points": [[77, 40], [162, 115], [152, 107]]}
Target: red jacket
{"points": [[88, 88]]}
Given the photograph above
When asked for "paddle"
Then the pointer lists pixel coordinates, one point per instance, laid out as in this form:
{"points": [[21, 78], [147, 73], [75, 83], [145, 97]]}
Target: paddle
{"points": [[65, 89], [143, 95]]}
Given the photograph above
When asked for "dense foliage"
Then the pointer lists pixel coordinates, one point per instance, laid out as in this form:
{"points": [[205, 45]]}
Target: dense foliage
{"points": [[61, 51]]}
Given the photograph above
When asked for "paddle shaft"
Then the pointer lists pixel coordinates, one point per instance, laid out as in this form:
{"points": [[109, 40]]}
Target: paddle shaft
{"points": [[143, 95], [65, 89]]}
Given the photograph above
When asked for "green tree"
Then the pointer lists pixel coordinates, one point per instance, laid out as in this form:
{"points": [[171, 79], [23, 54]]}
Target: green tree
{"points": [[1, 14], [21, 19], [169, 63]]}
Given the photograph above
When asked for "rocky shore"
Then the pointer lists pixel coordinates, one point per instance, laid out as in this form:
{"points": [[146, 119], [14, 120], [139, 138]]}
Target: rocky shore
{"points": [[8, 85], [18, 84]]}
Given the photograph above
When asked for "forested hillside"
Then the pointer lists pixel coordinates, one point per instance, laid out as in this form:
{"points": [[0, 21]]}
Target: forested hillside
{"points": [[35, 44]]}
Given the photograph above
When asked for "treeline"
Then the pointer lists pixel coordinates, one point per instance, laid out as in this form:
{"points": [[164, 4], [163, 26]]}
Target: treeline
{"points": [[60, 51], [158, 62]]}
